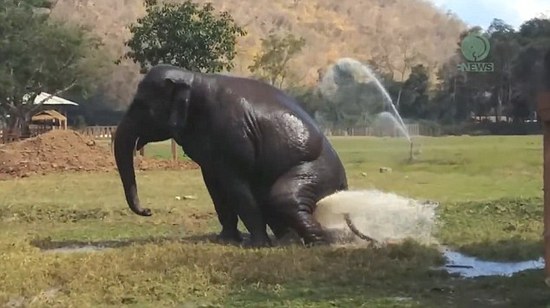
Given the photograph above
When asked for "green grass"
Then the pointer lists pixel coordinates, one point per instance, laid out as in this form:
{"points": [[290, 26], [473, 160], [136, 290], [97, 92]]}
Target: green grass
{"points": [[489, 189]]}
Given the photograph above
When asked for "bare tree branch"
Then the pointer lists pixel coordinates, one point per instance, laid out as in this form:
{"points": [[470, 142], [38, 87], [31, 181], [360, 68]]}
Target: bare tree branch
{"points": [[61, 69]]}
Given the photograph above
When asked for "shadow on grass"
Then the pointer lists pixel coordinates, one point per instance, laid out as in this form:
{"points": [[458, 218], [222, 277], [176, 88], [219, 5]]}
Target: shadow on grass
{"points": [[49, 244]]}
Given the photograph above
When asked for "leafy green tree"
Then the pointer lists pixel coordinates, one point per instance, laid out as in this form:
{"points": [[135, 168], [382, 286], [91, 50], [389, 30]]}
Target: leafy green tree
{"points": [[38, 54], [415, 101], [185, 35], [308, 97], [534, 41], [271, 63], [504, 49]]}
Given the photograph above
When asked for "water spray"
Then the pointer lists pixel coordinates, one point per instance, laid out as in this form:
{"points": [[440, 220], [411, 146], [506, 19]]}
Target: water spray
{"points": [[376, 217], [346, 69]]}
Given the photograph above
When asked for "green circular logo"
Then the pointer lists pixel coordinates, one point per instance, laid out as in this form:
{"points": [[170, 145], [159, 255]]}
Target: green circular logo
{"points": [[475, 47]]}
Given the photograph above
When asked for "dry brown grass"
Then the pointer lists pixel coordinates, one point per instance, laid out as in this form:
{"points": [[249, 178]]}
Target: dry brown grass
{"points": [[380, 29]]}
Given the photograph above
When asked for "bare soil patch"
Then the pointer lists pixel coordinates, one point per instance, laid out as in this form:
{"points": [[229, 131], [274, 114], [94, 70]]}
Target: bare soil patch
{"points": [[68, 150]]}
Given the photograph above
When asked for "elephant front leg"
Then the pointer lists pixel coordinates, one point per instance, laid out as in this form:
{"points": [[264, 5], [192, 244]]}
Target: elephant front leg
{"points": [[229, 219], [227, 214], [235, 197], [248, 209]]}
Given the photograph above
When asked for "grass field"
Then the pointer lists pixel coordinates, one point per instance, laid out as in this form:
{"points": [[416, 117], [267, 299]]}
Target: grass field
{"points": [[490, 194]]}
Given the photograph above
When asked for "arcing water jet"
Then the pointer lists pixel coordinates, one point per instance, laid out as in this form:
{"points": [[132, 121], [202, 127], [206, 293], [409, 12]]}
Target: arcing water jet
{"points": [[348, 71]]}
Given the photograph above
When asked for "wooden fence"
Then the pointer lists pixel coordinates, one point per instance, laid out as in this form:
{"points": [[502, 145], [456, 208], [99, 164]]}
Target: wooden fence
{"points": [[107, 132], [98, 132], [412, 130]]}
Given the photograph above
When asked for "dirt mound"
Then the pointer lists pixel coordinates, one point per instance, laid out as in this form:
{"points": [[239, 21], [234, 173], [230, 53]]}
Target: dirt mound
{"points": [[67, 150]]}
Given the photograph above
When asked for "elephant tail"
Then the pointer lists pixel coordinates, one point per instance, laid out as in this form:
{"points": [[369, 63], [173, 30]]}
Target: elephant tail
{"points": [[342, 204], [356, 231]]}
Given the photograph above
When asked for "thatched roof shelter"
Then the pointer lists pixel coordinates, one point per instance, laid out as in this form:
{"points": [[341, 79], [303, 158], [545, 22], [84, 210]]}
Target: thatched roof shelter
{"points": [[50, 116]]}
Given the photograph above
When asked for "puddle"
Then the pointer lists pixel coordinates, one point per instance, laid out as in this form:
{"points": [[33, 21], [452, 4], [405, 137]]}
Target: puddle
{"points": [[51, 246], [76, 249], [471, 267]]}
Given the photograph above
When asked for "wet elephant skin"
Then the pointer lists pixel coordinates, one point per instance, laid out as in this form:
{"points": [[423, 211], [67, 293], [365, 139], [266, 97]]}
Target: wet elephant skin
{"points": [[262, 157]]}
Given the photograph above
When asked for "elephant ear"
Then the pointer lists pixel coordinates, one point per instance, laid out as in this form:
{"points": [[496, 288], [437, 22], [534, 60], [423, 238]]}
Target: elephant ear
{"points": [[176, 81]]}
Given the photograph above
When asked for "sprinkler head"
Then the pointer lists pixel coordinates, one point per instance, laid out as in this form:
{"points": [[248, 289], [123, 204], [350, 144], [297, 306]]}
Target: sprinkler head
{"points": [[411, 153]]}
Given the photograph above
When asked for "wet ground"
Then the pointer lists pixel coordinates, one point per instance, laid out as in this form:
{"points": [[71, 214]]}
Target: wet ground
{"points": [[457, 263]]}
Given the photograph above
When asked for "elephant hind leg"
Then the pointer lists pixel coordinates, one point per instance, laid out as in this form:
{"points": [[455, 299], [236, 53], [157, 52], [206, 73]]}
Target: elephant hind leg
{"points": [[279, 226], [292, 197]]}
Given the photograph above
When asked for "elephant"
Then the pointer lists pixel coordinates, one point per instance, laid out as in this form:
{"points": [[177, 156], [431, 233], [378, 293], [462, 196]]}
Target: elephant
{"points": [[262, 157]]}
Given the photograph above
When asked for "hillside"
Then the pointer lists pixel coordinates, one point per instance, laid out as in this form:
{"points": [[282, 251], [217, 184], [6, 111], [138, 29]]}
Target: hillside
{"points": [[396, 33]]}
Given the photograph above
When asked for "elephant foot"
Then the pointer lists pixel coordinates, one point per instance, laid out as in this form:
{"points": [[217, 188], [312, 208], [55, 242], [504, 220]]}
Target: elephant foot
{"points": [[262, 242], [233, 237], [289, 238], [316, 243]]}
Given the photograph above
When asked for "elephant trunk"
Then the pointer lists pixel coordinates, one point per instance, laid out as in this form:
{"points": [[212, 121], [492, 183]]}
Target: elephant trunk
{"points": [[125, 142]]}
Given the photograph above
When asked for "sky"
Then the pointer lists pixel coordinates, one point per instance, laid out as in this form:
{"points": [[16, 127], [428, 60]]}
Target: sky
{"points": [[482, 12]]}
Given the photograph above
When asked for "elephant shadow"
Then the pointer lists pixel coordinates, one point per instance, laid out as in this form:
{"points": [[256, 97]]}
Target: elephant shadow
{"points": [[48, 244]]}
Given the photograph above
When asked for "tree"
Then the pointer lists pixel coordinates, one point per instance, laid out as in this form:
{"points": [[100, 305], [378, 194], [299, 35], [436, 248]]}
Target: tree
{"points": [[308, 97], [185, 35], [415, 100], [504, 49], [38, 54], [534, 41], [271, 63]]}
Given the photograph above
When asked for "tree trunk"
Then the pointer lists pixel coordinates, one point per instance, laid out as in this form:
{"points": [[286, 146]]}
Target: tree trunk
{"points": [[398, 99]]}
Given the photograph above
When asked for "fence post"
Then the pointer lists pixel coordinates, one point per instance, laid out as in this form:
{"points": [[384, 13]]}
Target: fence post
{"points": [[112, 142], [543, 109], [174, 150]]}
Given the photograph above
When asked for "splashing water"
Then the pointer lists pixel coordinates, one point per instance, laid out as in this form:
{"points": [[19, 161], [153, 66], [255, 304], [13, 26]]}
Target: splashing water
{"points": [[389, 218], [385, 122], [385, 217], [347, 71]]}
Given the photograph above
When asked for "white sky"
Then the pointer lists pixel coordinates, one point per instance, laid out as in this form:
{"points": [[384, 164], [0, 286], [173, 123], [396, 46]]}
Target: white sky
{"points": [[482, 12]]}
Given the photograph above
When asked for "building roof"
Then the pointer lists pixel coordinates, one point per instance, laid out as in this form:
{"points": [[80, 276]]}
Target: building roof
{"points": [[48, 115], [54, 100]]}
